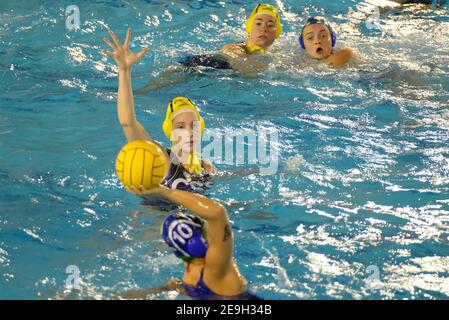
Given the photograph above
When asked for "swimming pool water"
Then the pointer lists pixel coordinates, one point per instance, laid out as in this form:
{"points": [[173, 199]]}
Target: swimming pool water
{"points": [[362, 187]]}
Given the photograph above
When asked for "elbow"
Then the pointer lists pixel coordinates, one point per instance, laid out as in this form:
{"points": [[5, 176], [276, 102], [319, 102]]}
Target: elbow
{"points": [[220, 213], [127, 123]]}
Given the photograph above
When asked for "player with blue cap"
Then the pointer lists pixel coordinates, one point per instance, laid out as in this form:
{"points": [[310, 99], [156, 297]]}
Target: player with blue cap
{"points": [[184, 233], [204, 242], [319, 39]]}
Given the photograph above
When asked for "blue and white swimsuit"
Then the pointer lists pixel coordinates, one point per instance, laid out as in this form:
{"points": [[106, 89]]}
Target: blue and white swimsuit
{"points": [[179, 178]]}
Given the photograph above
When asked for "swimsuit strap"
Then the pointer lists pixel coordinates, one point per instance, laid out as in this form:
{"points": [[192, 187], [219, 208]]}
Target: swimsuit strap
{"points": [[203, 286], [203, 292], [200, 290]]}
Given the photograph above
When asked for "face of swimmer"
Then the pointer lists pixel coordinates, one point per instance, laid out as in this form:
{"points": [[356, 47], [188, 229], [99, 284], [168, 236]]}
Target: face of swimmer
{"points": [[186, 130], [263, 30], [318, 41]]}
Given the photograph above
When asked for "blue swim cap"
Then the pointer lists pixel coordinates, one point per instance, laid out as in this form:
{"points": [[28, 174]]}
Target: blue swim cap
{"points": [[318, 20], [184, 233]]}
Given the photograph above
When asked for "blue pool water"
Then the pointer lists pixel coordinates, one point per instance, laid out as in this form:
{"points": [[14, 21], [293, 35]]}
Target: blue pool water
{"points": [[359, 208]]}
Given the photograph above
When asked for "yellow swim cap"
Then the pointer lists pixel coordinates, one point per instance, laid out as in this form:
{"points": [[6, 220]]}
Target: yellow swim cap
{"points": [[174, 107], [265, 9]]}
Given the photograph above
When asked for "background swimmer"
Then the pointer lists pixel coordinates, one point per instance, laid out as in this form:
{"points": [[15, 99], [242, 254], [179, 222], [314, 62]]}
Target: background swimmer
{"points": [[263, 27], [182, 114], [206, 246], [318, 39]]}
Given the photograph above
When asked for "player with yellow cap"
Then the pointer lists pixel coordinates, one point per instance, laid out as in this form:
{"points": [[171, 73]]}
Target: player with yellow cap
{"points": [[183, 125], [263, 27]]}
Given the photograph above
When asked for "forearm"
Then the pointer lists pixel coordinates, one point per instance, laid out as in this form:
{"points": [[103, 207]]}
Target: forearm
{"points": [[172, 76], [173, 284], [125, 102], [202, 206]]}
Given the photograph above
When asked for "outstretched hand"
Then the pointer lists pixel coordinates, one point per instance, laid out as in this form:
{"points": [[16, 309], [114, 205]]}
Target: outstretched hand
{"points": [[122, 55]]}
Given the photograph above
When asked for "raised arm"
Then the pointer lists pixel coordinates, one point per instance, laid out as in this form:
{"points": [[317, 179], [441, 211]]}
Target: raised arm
{"points": [[125, 104]]}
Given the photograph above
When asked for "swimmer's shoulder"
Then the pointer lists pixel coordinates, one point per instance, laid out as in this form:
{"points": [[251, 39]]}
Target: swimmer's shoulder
{"points": [[233, 50], [340, 57]]}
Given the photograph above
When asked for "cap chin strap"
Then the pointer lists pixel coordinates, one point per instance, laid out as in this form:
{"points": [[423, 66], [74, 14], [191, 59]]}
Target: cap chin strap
{"points": [[254, 48]]}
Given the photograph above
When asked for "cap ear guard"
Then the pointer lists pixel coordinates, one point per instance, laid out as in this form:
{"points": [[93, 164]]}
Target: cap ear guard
{"points": [[334, 37], [301, 41]]}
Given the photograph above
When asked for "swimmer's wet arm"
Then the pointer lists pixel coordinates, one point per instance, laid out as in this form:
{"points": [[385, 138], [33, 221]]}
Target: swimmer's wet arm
{"points": [[340, 57], [125, 58], [173, 284], [132, 128], [218, 228], [205, 208], [176, 74], [172, 76], [221, 245]]}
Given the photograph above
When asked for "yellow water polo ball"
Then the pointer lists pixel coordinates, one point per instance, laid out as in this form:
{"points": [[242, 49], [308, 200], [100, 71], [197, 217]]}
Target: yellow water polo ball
{"points": [[142, 163]]}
